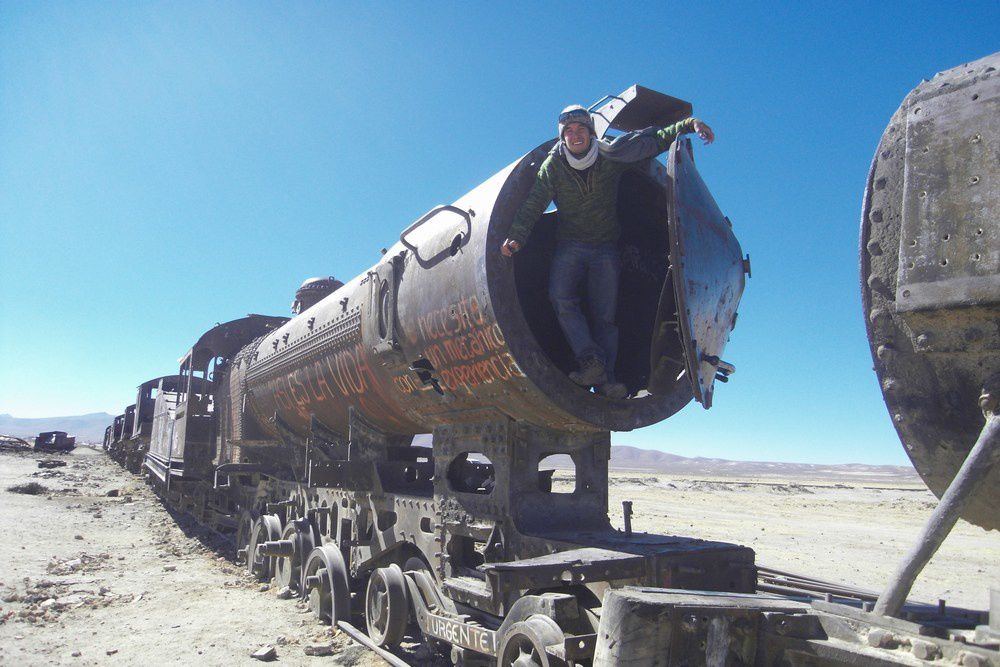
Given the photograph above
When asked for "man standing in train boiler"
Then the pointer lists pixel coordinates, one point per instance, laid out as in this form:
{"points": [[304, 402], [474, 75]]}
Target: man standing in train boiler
{"points": [[581, 174]]}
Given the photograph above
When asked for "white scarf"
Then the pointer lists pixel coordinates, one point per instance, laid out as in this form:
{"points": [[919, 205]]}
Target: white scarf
{"points": [[584, 161]]}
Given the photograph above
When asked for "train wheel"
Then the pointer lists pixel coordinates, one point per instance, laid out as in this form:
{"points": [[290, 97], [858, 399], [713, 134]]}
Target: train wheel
{"points": [[308, 539], [287, 569], [327, 585], [387, 607], [265, 529], [244, 527], [523, 645]]}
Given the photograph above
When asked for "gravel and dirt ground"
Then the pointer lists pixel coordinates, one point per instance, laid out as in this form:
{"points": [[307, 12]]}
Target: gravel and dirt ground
{"points": [[94, 570]]}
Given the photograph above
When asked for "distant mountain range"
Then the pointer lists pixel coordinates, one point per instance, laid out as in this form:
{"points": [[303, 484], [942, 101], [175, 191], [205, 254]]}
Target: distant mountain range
{"points": [[634, 458], [90, 428], [86, 428]]}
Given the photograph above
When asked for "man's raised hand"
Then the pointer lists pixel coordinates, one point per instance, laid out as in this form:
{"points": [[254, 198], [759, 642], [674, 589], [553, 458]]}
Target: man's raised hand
{"points": [[704, 131]]}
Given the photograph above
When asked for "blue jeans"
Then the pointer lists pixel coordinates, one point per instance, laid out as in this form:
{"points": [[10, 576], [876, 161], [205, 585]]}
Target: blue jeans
{"points": [[600, 265]]}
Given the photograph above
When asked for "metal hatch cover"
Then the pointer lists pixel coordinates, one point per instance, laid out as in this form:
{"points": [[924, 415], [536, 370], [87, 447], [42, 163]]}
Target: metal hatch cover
{"points": [[707, 268]]}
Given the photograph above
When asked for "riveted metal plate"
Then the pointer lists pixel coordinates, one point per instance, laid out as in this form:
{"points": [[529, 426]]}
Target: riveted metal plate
{"points": [[949, 251], [708, 272]]}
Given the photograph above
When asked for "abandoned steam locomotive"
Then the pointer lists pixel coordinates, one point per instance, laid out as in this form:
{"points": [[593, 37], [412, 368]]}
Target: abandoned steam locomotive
{"points": [[297, 436]]}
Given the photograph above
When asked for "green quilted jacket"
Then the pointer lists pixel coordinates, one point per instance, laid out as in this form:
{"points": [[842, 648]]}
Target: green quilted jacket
{"points": [[587, 200]]}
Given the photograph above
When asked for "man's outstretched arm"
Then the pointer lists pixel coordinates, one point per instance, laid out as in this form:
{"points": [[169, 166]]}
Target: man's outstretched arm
{"points": [[652, 141], [538, 200]]}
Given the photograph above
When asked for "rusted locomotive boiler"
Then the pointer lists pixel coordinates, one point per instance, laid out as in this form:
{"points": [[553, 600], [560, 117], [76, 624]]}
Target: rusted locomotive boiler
{"points": [[299, 434], [443, 325]]}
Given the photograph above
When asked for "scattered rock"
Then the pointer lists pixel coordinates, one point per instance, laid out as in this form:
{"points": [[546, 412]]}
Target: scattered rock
{"points": [[353, 654], [113, 493], [111, 651], [169, 568], [264, 587], [76, 654], [281, 640], [78, 537], [265, 654], [29, 489], [285, 593], [51, 463], [74, 599], [318, 649]]}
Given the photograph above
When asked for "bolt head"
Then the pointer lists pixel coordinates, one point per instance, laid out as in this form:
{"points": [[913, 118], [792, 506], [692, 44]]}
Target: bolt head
{"points": [[924, 650], [880, 638]]}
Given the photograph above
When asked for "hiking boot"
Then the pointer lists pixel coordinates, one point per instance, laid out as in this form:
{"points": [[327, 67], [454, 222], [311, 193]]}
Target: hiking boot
{"points": [[591, 373], [613, 390]]}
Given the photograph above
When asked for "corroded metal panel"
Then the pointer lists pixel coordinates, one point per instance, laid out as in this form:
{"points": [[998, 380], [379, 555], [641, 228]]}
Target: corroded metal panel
{"points": [[707, 263], [949, 252]]}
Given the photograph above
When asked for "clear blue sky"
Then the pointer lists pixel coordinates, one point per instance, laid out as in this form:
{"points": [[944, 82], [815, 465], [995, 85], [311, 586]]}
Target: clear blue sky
{"points": [[165, 166]]}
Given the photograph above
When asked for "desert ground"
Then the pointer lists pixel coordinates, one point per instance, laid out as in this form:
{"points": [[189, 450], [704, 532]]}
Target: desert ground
{"points": [[94, 570], [848, 530]]}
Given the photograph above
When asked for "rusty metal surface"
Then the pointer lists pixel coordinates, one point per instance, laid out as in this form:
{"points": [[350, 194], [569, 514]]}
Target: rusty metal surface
{"points": [[637, 108], [437, 329], [949, 251], [185, 425], [929, 277], [55, 441], [145, 402], [708, 274]]}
